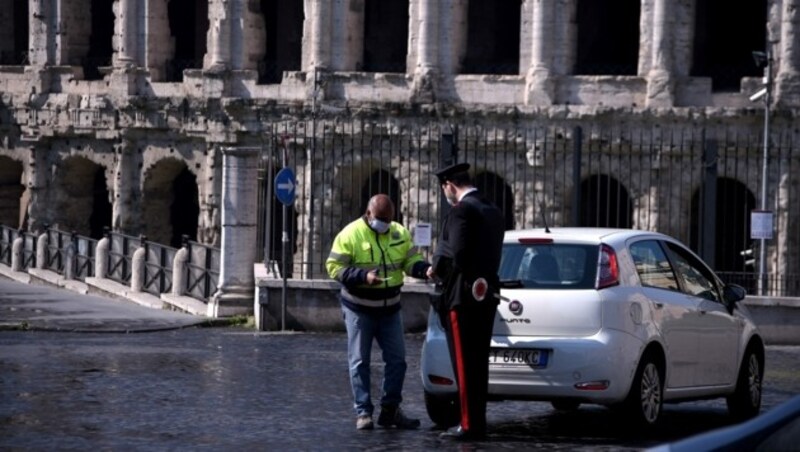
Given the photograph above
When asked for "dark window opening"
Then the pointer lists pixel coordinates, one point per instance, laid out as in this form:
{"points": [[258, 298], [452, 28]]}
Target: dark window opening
{"points": [[184, 209], [724, 40], [385, 35], [270, 224], [100, 48], [381, 181], [101, 206], [605, 203], [283, 21], [188, 24], [16, 52], [493, 34], [497, 191], [12, 210], [608, 37], [732, 233]]}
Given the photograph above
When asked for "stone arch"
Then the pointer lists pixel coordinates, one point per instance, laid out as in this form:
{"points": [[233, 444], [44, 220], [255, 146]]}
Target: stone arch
{"points": [[732, 232], [718, 44], [100, 49], [188, 24], [493, 37], [497, 190], [381, 181], [82, 196], [605, 202], [270, 221], [14, 33], [11, 190], [170, 206], [385, 35], [608, 37], [283, 39]]}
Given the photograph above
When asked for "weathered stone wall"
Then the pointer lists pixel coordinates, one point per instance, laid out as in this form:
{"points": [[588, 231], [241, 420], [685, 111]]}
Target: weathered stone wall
{"points": [[142, 131]]}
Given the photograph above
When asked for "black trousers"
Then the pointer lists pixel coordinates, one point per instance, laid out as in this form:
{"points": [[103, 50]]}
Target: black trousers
{"points": [[469, 334]]}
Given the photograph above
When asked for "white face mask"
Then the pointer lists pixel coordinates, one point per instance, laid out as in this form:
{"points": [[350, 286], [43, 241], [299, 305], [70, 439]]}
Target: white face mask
{"points": [[452, 198], [379, 226]]}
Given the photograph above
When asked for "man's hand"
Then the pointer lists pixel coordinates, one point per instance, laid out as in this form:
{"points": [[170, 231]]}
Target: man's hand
{"points": [[373, 278], [430, 274]]}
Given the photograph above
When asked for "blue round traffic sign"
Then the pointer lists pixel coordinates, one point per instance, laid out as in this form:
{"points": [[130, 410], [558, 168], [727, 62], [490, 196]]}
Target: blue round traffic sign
{"points": [[285, 185]]}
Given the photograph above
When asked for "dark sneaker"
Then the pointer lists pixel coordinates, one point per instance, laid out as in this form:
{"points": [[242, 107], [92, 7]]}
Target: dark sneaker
{"points": [[394, 417], [364, 423]]}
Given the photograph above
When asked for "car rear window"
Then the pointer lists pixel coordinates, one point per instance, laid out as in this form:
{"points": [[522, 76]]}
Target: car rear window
{"points": [[550, 265]]}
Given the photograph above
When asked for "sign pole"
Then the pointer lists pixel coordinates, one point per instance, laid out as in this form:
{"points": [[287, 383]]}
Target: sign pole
{"points": [[285, 184]]}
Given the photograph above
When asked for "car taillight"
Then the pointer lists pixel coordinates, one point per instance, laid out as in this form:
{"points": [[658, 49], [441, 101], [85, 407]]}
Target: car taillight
{"points": [[607, 269], [437, 380]]}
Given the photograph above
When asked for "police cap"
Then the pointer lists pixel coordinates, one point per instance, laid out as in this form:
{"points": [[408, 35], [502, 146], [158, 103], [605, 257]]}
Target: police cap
{"points": [[447, 173]]}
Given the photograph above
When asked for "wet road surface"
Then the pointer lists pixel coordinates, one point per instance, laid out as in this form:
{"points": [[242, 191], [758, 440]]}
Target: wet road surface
{"points": [[224, 388]]}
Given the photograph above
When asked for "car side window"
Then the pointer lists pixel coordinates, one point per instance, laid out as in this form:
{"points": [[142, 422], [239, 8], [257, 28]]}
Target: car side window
{"points": [[696, 278], [652, 265]]}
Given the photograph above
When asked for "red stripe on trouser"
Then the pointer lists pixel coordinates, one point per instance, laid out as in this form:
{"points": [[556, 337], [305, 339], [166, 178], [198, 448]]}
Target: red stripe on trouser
{"points": [[462, 380]]}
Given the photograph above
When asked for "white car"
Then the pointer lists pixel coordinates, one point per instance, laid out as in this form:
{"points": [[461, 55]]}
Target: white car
{"points": [[615, 317]]}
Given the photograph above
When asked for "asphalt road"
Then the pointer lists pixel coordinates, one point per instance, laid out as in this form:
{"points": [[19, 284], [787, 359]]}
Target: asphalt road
{"points": [[232, 388], [81, 372]]}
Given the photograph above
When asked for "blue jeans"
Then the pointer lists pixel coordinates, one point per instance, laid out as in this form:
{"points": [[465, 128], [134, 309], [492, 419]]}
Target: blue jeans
{"points": [[387, 330]]}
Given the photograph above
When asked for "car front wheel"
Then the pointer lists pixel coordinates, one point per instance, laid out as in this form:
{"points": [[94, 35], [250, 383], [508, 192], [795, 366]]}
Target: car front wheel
{"points": [[442, 409], [645, 398], [746, 401]]}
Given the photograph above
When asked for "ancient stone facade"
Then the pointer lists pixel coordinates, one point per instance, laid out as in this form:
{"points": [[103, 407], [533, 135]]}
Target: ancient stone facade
{"points": [[118, 113]]}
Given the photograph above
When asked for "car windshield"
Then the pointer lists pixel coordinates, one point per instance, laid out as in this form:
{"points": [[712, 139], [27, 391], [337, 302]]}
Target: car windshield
{"points": [[550, 265]]}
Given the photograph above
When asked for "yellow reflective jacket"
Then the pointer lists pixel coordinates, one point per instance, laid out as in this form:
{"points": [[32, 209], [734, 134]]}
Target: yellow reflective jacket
{"points": [[358, 249]]}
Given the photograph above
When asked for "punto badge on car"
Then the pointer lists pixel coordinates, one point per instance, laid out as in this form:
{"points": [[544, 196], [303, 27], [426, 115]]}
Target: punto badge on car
{"points": [[515, 307]]}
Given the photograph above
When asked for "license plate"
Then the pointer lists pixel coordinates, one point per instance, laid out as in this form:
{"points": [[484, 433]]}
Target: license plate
{"points": [[518, 356]]}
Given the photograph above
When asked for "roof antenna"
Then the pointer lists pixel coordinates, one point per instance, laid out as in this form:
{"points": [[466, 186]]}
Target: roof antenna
{"points": [[544, 217]]}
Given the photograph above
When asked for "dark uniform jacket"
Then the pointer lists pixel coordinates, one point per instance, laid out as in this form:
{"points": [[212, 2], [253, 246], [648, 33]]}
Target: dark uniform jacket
{"points": [[470, 247]]}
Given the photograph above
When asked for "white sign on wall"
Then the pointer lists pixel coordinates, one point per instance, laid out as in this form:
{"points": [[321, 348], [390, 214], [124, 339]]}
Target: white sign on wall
{"points": [[761, 224], [422, 234]]}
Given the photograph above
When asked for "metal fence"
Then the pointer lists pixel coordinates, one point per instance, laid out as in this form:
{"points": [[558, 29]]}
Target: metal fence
{"points": [[697, 183], [202, 269]]}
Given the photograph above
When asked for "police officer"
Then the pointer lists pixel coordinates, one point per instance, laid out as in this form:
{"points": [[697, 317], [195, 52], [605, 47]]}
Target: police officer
{"points": [[369, 258], [469, 248]]}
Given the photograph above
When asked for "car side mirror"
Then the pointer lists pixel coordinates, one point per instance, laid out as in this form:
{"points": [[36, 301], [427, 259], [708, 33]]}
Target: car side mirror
{"points": [[733, 293]]}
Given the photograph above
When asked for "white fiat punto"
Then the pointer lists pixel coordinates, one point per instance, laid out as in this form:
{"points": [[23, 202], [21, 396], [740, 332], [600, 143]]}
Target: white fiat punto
{"points": [[615, 317]]}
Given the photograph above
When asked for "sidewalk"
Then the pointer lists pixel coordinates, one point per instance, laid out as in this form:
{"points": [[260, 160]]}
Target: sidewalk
{"points": [[36, 307]]}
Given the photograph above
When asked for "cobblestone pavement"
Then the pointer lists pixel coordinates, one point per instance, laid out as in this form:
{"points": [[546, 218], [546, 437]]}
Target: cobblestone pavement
{"points": [[226, 388]]}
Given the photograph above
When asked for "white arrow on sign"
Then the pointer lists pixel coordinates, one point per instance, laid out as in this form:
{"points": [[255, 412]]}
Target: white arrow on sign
{"points": [[288, 186]]}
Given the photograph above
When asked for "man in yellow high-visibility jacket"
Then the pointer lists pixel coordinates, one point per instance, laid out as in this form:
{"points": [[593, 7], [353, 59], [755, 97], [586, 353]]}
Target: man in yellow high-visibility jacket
{"points": [[370, 257]]}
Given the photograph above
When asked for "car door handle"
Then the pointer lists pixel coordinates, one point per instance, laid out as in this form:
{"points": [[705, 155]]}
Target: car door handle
{"points": [[659, 305], [702, 311]]}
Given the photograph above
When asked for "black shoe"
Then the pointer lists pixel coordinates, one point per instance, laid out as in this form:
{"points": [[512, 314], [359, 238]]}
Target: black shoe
{"points": [[394, 417], [459, 434]]}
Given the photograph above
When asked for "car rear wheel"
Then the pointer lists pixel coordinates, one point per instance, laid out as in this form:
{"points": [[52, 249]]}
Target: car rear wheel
{"points": [[565, 405], [746, 401], [442, 409], [646, 396]]}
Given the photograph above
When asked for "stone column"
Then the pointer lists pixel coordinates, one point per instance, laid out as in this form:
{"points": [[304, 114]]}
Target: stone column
{"points": [[788, 76], [660, 81], [236, 284], [219, 35], [539, 85], [40, 25], [321, 15], [127, 33], [427, 52], [121, 209], [38, 210]]}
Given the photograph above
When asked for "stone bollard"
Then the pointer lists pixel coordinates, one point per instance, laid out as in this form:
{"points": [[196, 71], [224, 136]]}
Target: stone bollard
{"points": [[137, 267], [17, 254], [101, 257], [69, 258], [179, 270], [41, 250]]}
